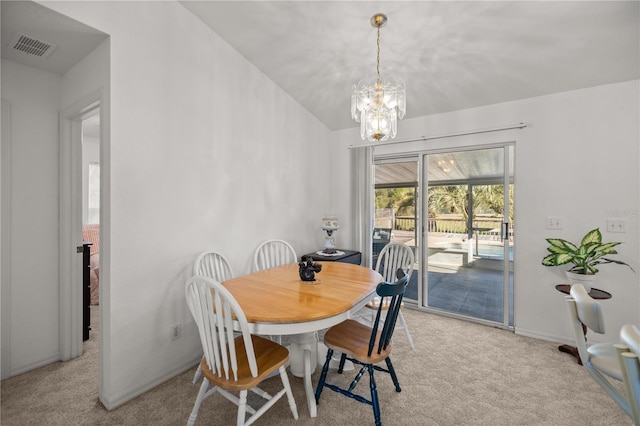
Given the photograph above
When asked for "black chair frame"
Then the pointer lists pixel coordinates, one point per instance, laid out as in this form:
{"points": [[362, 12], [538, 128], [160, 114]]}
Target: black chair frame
{"points": [[395, 291]]}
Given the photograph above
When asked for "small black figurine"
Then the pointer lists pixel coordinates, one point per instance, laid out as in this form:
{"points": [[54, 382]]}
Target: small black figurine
{"points": [[308, 269]]}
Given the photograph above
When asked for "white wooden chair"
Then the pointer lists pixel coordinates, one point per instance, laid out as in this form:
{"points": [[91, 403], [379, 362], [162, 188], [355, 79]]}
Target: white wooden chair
{"points": [[213, 265], [273, 253], [629, 357], [233, 364], [392, 257], [600, 359]]}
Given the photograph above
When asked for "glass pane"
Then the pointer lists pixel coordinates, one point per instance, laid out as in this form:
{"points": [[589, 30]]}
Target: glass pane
{"points": [[396, 190], [465, 246]]}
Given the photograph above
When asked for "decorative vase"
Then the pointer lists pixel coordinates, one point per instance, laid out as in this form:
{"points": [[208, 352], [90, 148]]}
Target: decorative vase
{"points": [[585, 280]]}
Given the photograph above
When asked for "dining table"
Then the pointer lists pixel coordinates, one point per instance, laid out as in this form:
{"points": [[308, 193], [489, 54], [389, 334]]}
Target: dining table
{"points": [[277, 302]]}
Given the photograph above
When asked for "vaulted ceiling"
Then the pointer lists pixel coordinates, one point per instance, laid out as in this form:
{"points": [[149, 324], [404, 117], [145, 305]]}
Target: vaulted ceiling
{"points": [[452, 54]]}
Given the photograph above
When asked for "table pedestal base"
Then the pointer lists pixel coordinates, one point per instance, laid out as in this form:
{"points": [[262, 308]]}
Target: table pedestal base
{"points": [[303, 357]]}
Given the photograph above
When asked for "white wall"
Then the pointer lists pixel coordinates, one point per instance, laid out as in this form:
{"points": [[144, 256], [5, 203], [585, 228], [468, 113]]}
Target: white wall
{"points": [[204, 153], [90, 154], [578, 160], [32, 337]]}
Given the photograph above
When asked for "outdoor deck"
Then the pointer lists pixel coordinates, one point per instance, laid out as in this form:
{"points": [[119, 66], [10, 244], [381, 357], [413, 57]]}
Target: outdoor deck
{"points": [[456, 283]]}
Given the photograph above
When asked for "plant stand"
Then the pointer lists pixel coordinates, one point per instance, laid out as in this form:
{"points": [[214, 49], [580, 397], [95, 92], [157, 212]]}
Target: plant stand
{"points": [[594, 293]]}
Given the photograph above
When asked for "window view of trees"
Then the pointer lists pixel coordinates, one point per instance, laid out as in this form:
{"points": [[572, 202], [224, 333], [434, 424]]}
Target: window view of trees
{"points": [[452, 203], [448, 203], [401, 202]]}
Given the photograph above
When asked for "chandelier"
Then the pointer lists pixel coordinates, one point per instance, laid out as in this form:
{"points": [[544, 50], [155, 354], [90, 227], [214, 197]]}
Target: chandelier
{"points": [[378, 103]]}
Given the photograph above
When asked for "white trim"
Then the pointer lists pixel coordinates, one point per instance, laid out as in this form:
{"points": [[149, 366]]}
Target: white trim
{"points": [[5, 231], [554, 338], [33, 365], [123, 397]]}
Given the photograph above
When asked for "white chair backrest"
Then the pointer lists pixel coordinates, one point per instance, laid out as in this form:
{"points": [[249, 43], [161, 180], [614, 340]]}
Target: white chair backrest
{"points": [[589, 311], [214, 310], [273, 253], [630, 363], [213, 265], [630, 336], [392, 257]]}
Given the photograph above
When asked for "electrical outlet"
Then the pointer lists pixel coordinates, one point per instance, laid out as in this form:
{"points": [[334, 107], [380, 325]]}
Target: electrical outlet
{"points": [[617, 225], [176, 331], [554, 223]]}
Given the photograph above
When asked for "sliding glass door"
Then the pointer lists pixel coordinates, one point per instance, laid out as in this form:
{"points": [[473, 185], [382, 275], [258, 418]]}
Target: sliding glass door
{"points": [[469, 240], [455, 210]]}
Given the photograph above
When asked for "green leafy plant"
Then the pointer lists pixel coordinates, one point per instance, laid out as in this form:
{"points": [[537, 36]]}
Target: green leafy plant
{"points": [[585, 257]]}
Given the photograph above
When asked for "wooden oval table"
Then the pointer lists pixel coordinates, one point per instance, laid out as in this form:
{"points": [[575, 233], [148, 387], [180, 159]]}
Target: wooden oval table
{"points": [[276, 302]]}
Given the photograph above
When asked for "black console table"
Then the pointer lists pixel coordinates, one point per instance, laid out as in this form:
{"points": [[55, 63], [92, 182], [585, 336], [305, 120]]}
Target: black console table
{"points": [[349, 256]]}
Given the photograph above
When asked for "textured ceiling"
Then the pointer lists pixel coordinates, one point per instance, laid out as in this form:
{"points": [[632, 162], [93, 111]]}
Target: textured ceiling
{"points": [[452, 55], [481, 166]]}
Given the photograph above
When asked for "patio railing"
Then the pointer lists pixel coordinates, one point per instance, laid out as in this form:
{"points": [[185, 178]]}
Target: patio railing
{"points": [[487, 228]]}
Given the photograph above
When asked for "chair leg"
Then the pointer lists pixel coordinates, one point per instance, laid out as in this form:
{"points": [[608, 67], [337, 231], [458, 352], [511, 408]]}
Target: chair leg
{"points": [[406, 330], [323, 375], [287, 386], [343, 359], [196, 407], [392, 372], [374, 396], [197, 375], [242, 408]]}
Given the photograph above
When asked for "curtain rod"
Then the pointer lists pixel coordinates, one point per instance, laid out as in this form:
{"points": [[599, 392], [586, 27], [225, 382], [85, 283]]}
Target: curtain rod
{"points": [[449, 135]]}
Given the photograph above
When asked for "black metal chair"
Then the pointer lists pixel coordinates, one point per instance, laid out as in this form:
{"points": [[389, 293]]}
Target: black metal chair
{"points": [[366, 346]]}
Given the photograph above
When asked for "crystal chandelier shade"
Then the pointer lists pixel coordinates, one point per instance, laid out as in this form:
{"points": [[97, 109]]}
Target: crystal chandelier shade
{"points": [[378, 103]]}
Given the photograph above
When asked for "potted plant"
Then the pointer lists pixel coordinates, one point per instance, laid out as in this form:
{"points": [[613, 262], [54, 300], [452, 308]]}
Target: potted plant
{"points": [[585, 258]]}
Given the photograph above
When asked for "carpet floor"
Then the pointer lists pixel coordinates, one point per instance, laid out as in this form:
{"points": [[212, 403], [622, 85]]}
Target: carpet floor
{"points": [[459, 373]]}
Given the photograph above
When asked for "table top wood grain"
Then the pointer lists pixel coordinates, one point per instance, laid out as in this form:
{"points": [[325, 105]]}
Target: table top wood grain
{"points": [[277, 295]]}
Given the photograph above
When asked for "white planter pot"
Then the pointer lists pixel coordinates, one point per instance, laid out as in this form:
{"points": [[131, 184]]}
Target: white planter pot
{"points": [[585, 280]]}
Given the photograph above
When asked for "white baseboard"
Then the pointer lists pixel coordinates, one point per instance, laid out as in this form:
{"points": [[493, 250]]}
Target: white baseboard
{"points": [[32, 366], [544, 336], [111, 402]]}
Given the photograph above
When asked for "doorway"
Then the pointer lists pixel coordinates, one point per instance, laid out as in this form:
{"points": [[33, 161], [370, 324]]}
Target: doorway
{"points": [[85, 118], [91, 215]]}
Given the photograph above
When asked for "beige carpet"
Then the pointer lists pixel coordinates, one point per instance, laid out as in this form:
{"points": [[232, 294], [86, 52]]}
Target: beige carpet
{"points": [[460, 373]]}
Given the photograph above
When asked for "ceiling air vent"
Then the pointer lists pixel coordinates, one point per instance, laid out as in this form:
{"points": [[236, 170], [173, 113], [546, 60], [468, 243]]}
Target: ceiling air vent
{"points": [[31, 46]]}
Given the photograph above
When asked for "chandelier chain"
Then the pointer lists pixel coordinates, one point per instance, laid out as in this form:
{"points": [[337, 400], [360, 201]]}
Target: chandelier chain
{"points": [[378, 57]]}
